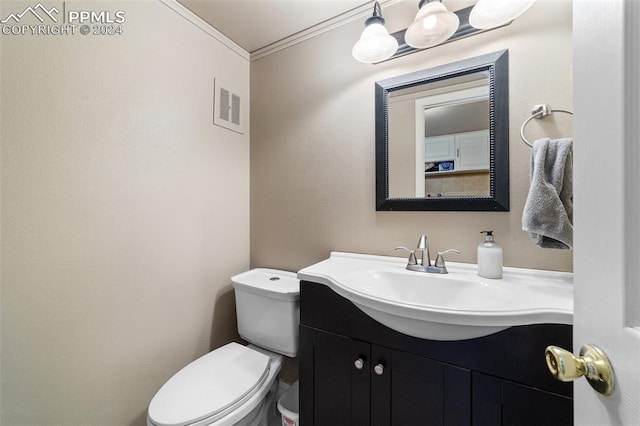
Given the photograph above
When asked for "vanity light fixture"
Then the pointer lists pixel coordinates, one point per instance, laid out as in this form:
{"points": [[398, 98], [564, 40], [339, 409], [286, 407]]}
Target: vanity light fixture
{"points": [[433, 24], [487, 14], [375, 44]]}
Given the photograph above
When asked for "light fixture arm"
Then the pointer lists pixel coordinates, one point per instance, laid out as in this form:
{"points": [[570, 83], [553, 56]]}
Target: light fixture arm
{"points": [[376, 18], [423, 2]]}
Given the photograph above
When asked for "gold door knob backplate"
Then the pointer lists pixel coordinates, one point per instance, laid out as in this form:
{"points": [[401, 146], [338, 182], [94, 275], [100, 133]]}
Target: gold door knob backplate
{"points": [[592, 363]]}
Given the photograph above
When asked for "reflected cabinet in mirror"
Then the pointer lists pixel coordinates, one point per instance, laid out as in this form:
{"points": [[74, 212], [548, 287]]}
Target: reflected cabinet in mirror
{"points": [[442, 137]]}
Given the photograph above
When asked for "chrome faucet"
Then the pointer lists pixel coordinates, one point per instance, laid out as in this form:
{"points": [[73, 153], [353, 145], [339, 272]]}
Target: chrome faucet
{"points": [[423, 245], [424, 265]]}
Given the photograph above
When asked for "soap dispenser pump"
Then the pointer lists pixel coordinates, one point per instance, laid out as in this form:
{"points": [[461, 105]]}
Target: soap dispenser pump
{"points": [[489, 257]]}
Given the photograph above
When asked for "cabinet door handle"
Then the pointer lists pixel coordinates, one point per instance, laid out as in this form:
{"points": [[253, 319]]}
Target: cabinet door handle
{"points": [[379, 369], [359, 363]]}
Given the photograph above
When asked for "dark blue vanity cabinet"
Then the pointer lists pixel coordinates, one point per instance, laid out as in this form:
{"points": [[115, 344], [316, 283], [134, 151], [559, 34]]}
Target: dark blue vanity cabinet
{"points": [[355, 371]]}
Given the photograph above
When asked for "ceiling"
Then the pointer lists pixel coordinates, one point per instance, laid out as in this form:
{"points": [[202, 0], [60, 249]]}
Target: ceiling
{"points": [[254, 24]]}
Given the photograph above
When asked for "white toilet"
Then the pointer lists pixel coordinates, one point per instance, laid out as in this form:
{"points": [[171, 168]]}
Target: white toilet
{"points": [[236, 384]]}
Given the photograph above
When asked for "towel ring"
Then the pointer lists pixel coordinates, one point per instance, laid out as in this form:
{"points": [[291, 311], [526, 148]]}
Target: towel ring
{"points": [[539, 111]]}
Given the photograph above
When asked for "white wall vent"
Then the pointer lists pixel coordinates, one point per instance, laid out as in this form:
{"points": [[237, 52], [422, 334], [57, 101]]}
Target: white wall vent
{"points": [[229, 109]]}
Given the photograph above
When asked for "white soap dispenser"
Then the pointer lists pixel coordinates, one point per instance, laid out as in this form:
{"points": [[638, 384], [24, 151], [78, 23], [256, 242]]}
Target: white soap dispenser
{"points": [[489, 257]]}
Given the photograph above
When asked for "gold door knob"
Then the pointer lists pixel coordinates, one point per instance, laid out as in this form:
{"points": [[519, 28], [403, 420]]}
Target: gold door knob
{"points": [[592, 363]]}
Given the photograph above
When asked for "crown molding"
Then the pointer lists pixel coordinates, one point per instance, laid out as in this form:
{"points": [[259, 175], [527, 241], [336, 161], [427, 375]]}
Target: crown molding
{"points": [[204, 26], [321, 28]]}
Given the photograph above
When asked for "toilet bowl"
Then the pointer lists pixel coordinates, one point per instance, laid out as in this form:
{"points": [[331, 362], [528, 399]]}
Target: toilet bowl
{"points": [[220, 388], [236, 384]]}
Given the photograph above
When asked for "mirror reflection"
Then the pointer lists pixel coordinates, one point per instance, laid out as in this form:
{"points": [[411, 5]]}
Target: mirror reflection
{"points": [[442, 137], [446, 152]]}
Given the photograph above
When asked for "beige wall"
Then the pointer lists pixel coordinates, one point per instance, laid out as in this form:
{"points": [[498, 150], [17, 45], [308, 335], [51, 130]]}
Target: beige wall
{"points": [[402, 154], [124, 213], [312, 146]]}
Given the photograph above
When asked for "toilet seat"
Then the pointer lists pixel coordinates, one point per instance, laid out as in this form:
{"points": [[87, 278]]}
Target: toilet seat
{"points": [[210, 387]]}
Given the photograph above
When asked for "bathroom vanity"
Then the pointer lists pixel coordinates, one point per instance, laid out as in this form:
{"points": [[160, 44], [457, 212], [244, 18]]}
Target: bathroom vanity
{"points": [[356, 371]]}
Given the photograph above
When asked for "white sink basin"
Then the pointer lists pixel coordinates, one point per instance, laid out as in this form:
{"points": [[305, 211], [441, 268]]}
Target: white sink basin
{"points": [[455, 306]]}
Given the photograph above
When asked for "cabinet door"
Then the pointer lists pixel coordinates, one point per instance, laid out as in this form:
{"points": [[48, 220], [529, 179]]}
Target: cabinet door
{"points": [[340, 388], [472, 151], [440, 148], [360, 383], [427, 392], [331, 379], [497, 401], [381, 375]]}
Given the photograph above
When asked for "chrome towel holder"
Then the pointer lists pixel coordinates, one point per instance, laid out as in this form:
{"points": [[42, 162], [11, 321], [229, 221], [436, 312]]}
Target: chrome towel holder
{"points": [[539, 111]]}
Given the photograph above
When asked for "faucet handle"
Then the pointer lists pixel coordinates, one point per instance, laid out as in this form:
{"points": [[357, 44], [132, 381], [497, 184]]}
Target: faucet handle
{"points": [[440, 259], [412, 255]]}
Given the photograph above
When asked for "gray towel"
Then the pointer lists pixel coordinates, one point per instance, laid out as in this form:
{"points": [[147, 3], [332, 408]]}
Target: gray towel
{"points": [[548, 212]]}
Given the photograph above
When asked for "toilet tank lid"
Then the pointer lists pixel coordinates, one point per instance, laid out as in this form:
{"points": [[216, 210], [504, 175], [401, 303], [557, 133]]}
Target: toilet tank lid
{"points": [[269, 282]]}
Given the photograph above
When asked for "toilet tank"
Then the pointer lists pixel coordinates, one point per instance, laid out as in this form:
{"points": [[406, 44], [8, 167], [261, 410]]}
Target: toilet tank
{"points": [[268, 309]]}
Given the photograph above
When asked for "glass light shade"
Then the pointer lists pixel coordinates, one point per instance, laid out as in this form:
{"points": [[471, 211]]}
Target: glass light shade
{"points": [[487, 14], [375, 44], [433, 25]]}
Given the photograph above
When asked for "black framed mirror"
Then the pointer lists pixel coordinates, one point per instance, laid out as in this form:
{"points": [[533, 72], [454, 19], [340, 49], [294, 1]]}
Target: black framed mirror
{"points": [[442, 137]]}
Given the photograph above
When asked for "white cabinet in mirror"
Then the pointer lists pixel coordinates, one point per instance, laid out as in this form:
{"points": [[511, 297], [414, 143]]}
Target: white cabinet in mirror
{"points": [[455, 165]]}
